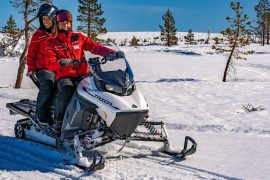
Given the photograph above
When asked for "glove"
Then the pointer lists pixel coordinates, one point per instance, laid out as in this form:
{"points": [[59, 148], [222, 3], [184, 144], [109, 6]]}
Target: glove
{"points": [[29, 73], [114, 56], [119, 54], [65, 62]]}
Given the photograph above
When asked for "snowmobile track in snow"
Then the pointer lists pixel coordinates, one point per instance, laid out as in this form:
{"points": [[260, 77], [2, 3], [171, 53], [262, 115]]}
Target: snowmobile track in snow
{"points": [[134, 152], [165, 160], [173, 163]]}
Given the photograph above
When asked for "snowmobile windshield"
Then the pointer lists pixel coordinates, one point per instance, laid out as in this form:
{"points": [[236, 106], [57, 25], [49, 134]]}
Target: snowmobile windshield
{"points": [[117, 76]]}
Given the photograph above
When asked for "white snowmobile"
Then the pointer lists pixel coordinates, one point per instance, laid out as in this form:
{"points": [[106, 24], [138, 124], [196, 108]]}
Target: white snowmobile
{"points": [[105, 107]]}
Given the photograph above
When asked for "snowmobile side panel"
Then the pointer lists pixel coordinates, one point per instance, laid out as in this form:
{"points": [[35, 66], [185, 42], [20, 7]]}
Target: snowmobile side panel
{"points": [[40, 137], [76, 116]]}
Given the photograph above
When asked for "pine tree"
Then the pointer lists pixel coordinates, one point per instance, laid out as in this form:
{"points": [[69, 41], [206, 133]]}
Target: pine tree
{"points": [[189, 38], [268, 27], [110, 41], [27, 8], [168, 31], [124, 42], [263, 21], [134, 41], [216, 40], [11, 28], [10, 40], [90, 18], [237, 36]]}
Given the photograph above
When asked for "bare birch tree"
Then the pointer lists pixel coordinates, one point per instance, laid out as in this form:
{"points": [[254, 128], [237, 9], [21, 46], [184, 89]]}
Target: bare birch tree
{"points": [[28, 10], [237, 36]]}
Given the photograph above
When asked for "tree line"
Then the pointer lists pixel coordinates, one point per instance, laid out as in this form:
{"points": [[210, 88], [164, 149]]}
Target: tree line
{"points": [[92, 24], [261, 30]]}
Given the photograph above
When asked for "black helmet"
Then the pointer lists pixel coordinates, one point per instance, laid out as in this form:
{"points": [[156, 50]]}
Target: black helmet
{"points": [[47, 9]]}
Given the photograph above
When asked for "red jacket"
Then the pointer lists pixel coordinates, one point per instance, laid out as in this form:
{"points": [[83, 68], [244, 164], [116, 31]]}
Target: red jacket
{"points": [[71, 45], [35, 58]]}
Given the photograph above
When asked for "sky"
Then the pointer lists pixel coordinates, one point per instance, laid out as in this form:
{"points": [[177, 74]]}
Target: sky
{"points": [[146, 15]]}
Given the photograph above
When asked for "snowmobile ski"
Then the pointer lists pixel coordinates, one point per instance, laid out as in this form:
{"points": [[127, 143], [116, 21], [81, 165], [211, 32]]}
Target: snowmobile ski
{"points": [[98, 163], [184, 152]]}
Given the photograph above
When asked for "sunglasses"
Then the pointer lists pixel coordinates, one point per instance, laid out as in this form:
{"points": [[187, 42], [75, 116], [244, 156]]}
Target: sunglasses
{"points": [[65, 16]]}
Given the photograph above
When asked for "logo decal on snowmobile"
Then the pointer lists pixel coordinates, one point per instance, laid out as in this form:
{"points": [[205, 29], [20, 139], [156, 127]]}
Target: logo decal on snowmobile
{"points": [[100, 98]]}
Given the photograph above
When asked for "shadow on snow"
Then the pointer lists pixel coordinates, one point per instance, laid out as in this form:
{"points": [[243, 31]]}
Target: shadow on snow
{"points": [[22, 155], [182, 52], [173, 80]]}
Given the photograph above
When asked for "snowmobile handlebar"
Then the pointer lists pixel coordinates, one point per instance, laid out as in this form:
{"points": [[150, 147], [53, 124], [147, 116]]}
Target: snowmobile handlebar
{"points": [[94, 61], [91, 61]]}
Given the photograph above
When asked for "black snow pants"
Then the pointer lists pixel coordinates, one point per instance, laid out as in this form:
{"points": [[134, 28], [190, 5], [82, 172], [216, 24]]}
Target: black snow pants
{"points": [[45, 95], [66, 88]]}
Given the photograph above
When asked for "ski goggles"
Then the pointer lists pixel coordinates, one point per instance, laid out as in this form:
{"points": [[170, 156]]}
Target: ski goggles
{"points": [[65, 16]]}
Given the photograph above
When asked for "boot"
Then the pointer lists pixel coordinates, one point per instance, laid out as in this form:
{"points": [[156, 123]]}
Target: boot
{"points": [[56, 127], [41, 122]]}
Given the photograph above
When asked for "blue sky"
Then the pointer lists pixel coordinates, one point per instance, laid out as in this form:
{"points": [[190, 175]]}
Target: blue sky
{"points": [[146, 15]]}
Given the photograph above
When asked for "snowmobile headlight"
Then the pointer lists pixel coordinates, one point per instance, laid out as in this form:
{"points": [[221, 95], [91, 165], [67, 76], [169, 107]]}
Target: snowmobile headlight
{"points": [[113, 88]]}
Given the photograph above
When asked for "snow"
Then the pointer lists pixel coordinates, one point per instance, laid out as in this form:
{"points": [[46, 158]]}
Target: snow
{"points": [[183, 88]]}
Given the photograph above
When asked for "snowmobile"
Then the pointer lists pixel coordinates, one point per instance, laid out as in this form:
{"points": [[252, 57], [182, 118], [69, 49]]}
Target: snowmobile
{"points": [[105, 107]]}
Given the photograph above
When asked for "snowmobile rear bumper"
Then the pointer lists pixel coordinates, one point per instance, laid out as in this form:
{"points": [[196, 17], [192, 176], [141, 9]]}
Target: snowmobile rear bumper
{"points": [[22, 107]]}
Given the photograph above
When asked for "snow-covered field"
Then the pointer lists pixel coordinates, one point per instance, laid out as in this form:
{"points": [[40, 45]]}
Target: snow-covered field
{"points": [[183, 88]]}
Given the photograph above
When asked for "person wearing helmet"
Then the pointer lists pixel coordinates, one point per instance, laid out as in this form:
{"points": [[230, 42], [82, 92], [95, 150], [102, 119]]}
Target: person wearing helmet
{"points": [[64, 47], [36, 63]]}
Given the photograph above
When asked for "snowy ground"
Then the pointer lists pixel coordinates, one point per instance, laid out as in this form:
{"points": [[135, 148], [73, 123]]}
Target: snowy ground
{"points": [[183, 88]]}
